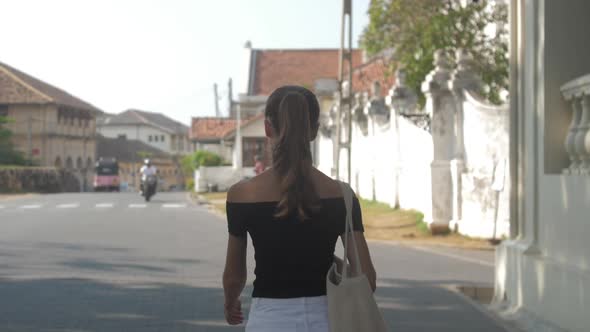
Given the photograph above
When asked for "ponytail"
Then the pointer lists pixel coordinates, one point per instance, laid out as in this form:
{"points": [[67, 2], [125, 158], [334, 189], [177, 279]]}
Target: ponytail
{"points": [[291, 154]]}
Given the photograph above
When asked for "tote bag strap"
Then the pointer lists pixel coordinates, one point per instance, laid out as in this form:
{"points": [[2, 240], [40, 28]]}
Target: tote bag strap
{"points": [[347, 194]]}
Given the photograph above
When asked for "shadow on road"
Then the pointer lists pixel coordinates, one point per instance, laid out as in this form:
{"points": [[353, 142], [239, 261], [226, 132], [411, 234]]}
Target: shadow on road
{"points": [[431, 305], [89, 264], [88, 305], [79, 247]]}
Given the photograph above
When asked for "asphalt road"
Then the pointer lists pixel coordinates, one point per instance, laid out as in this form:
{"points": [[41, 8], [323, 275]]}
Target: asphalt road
{"points": [[111, 262]]}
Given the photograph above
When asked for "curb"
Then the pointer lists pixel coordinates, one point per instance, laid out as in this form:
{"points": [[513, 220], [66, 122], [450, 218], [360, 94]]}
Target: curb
{"points": [[200, 200], [486, 310], [8, 197], [429, 244]]}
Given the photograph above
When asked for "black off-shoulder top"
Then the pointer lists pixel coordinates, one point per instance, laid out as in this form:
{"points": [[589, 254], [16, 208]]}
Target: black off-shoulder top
{"points": [[292, 256]]}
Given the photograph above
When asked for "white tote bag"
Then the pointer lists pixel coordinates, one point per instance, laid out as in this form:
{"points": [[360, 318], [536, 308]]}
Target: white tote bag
{"points": [[351, 305]]}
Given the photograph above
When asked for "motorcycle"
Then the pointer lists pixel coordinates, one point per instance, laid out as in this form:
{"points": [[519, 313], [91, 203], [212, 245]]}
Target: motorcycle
{"points": [[149, 187]]}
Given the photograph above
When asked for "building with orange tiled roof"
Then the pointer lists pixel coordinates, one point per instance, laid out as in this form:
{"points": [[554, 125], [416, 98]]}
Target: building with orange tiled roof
{"points": [[208, 133], [218, 135], [269, 69], [273, 68]]}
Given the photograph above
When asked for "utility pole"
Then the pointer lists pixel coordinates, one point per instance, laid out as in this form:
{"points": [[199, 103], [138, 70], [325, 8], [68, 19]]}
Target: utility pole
{"points": [[30, 139], [238, 142], [230, 99], [345, 101], [216, 100]]}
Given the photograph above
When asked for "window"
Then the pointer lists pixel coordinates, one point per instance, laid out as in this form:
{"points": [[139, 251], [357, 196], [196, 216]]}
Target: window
{"points": [[122, 136], [162, 138], [150, 138], [252, 147], [4, 110], [155, 138]]}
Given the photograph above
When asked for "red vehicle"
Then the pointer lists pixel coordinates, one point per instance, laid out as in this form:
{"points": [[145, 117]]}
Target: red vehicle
{"points": [[106, 176]]}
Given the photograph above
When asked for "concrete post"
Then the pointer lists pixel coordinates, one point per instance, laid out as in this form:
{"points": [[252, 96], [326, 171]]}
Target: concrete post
{"points": [[440, 103]]}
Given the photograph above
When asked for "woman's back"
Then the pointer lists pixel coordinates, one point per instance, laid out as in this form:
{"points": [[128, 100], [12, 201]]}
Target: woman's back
{"points": [[292, 256], [294, 215]]}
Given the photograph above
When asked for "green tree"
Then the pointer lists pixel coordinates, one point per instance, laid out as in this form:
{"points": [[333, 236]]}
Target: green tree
{"points": [[8, 155], [415, 29]]}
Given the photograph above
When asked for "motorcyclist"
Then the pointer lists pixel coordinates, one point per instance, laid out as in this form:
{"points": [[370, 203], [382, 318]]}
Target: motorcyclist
{"points": [[146, 170]]}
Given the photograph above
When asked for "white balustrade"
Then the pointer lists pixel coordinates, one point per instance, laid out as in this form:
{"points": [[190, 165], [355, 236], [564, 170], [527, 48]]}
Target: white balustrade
{"points": [[577, 142]]}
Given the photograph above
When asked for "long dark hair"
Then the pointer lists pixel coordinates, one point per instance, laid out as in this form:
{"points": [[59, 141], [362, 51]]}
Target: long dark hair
{"points": [[293, 112]]}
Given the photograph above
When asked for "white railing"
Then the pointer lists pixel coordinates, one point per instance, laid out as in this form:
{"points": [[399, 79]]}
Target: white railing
{"points": [[577, 142]]}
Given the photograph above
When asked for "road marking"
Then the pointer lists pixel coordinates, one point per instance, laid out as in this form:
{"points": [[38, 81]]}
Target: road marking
{"points": [[68, 206], [104, 205], [458, 257], [173, 206], [30, 207], [137, 206], [1, 207]]}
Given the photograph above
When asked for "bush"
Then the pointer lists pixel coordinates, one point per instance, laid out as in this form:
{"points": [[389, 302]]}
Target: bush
{"points": [[8, 154], [190, 184], [206, 158], [200, 158]]}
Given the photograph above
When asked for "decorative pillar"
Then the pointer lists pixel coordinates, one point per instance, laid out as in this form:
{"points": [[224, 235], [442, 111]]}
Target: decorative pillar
{"points": [[440, 103], [583, 137], [570, 140], [401, 99], [577, 141]]}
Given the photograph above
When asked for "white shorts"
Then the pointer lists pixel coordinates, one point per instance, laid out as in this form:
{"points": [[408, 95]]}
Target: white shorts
{"points": [[302, 314]]}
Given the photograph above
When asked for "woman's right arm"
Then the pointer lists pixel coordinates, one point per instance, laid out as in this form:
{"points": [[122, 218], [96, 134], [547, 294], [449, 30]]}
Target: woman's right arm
{"points": [[366, 263]]}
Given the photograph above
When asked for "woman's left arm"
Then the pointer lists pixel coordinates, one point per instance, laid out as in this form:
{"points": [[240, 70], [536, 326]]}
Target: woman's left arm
{"points": [[234, 277]]}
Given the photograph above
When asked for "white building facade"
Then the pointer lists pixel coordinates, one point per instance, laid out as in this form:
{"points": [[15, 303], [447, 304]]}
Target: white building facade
{"points": [[154, 129], [543, 271]]}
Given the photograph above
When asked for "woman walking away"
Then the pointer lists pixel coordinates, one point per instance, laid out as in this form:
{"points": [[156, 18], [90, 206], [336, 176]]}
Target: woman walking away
{"points": [[294, 215]]}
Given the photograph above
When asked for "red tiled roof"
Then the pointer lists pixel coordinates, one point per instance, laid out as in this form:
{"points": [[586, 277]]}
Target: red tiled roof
{"points": [[208, 128], [17, 87], [275, 68], [364, 75], [243, 124]]}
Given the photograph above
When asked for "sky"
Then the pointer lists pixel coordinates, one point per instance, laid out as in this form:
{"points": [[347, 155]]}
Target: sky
{"points": [[159, 55]]}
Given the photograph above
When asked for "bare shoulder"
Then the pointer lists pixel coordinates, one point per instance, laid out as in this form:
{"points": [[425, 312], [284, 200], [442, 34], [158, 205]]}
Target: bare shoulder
{"points": [[325, 185], [258, 188], [237, 192]]}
